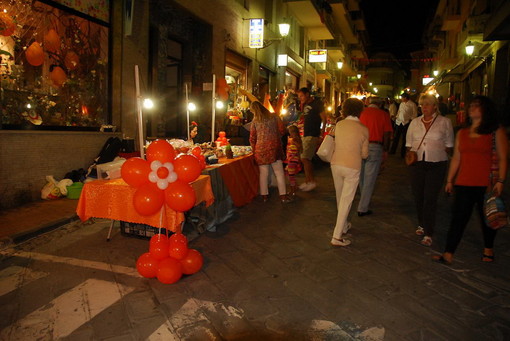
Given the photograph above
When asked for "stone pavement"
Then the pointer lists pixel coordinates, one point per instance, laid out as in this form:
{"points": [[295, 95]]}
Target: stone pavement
{"points": [[269, 274]]}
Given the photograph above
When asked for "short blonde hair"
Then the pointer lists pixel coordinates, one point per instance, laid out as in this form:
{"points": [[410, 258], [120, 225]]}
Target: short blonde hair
{"points": [[429, 99]]}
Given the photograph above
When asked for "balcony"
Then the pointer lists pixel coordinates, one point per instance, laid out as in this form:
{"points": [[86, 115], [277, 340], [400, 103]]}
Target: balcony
{"points": [[314, 16], [451, 22]]}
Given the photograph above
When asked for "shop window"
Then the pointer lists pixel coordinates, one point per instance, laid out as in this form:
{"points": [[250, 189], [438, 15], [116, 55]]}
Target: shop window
{"points": [[54, 64]]}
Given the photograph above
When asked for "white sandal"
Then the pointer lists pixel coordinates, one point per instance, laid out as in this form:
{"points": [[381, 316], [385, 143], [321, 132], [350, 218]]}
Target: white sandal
{"points": [[340, 242], [426, 241], [420, 231]]}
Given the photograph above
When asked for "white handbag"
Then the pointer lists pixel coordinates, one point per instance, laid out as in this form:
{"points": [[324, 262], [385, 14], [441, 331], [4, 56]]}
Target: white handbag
{"points": [[327, 148]]}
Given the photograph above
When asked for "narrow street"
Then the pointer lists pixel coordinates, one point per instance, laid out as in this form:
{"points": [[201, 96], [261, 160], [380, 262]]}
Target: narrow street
{"points": [[269, 274]]}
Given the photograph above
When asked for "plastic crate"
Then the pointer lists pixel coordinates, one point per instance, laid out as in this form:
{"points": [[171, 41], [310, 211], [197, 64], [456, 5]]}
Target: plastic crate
{"points": [[139, 230]]}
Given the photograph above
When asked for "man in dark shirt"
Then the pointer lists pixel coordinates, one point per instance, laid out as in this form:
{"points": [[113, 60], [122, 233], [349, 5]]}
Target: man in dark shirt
{"points": [[314, 123]]}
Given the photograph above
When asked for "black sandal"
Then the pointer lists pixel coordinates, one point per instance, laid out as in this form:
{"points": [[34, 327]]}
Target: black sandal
{"points": [[441, 259], [487, 258]]}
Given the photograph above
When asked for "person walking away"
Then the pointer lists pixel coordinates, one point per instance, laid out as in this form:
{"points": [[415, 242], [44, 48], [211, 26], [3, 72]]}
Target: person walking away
{"points": [[470, 171], [428, 173], [314, 123], [407, 111], [265, 140], [393, 109], [379, 127], [443, 107], [351, 146], [294, 149]]}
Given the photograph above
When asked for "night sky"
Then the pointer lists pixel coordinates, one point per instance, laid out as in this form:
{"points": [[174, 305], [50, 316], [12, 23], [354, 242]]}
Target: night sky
{"points": [[396, 26]]}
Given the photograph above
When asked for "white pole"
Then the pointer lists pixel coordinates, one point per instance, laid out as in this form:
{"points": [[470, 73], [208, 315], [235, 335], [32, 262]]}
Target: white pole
{"points": [[213, 97], [187, 107], [140, 115]]}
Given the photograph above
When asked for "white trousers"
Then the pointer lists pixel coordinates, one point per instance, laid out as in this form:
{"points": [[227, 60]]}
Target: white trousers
{"points": [[280, 177], [346, 181]]}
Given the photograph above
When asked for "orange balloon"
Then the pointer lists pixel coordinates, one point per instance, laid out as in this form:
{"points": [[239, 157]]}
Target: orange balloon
{"points": [[7, 25], [58, 76], [158, 238], [34, 54], [192, 262], [177, 250], [148, 199], [180, 196], [159, 250], [178, 238], [51, 41], [187, 168], [169, 271], [135, 171], [160, 150], [147, 265], [71, 60], [196, 151]]}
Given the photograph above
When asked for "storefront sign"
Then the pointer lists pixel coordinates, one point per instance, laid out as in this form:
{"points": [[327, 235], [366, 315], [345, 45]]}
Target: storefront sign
{"points": [[426, 80], [317, 56], [256, 37]]}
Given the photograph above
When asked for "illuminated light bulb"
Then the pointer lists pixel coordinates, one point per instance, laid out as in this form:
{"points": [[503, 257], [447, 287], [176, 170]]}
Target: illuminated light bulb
{"points": [[284, 111], [219, 105], [29, 106], [148, 103], [192, 106]]}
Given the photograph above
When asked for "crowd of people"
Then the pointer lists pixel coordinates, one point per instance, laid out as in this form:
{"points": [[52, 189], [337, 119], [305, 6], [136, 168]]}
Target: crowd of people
{"points": [[465, 164]]}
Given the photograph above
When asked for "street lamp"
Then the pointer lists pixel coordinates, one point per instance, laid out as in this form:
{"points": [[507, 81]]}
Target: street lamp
{"points": [[284, 29], [339, 64], [435, 72], [470, 48], [358, 75]]}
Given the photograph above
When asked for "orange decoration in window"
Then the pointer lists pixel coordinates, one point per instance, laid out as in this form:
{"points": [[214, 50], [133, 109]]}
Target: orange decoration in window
{"points": [[71, 60], [58, 76], [34, 54], [7, 25], [51, 41]]}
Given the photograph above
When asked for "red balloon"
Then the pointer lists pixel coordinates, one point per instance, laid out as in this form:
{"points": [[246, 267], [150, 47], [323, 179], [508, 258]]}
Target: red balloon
{"points": [[197, 151], [159, 250], [169, 271], [147, 265], [178, 238], [192, 262], [202, 162], [135, 171], [187, 168], [177, 250], [160, 150], [158, 238], [180, 196], [148, 199]]}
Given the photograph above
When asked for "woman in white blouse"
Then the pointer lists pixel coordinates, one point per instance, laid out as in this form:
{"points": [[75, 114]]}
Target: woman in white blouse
{"points": [[427, 175]]}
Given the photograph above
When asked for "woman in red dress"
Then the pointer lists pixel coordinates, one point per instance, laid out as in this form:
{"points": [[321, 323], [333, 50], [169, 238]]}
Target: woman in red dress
{"points": [[470, 171]]}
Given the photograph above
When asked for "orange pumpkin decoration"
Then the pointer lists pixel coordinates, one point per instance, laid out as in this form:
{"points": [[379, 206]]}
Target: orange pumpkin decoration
{"points": [[71, 60], [7, 25], [34, 54], [51, 41], [58, 76]]}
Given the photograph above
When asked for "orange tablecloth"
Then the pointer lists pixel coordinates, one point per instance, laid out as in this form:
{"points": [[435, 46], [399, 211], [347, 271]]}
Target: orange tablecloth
{"points": [[241, 177], [113, 199]]}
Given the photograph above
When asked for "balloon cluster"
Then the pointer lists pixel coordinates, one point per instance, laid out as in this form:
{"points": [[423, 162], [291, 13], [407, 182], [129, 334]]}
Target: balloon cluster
{"points": [[169, 258], [164, 179], [222, 138]]}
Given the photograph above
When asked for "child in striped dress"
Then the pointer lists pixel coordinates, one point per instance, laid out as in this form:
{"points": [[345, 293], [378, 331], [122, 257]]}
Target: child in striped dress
{"points": [[294, 149]]}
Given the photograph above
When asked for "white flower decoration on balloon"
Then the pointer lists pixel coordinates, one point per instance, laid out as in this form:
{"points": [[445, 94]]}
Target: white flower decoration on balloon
{"points": [[162, 174]]}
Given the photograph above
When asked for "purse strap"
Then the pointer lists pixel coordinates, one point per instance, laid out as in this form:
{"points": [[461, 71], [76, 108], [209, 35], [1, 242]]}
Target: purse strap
{"points": [[426, 131]]}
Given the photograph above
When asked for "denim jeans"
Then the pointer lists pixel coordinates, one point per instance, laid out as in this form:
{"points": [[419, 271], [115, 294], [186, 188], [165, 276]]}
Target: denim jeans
{"points": [[369, 171]]}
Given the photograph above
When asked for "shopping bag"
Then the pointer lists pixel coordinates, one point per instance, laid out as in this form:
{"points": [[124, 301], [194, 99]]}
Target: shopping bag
{"points": [[495, 211], [326, 149]]}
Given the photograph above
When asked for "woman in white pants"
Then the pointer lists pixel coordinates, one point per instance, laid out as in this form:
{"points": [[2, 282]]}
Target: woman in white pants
{"points": [[266, 141], [351, 146]]}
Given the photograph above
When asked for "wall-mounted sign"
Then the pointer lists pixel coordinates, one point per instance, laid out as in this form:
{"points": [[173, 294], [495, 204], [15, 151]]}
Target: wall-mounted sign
{"points": [[317, 56], [426, 79], [256, 36]]}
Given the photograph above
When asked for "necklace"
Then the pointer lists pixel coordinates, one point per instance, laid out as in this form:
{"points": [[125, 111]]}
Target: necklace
{"points": [[426, 122]]}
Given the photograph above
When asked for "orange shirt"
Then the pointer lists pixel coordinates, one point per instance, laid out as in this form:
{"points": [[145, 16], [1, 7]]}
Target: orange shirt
{"points": [[377, 121], [475, 159]]}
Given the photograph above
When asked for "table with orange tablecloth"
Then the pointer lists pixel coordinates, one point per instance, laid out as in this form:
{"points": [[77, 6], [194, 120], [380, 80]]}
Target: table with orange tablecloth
{"points": [[241, 177], [113, 199]]}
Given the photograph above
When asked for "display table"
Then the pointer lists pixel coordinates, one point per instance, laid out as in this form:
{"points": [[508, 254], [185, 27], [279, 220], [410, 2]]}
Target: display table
{"points": [[113, 199], [240, 176]]}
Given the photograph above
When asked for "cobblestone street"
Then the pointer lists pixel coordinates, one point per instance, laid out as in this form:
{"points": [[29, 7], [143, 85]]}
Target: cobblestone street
{"points": [[269, 274]]}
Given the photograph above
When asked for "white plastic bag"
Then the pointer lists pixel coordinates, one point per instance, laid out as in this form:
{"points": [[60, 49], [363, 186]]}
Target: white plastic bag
{"points": [[50, 190], [326, 148]]}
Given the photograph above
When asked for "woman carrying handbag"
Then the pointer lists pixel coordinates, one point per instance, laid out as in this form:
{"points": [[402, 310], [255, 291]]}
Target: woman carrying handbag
{"points": [[470, 171]]}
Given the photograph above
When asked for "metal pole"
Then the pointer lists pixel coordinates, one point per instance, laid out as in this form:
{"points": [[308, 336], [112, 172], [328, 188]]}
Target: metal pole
{"points": [[141, 134], [213, 97], [187, 108]]}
